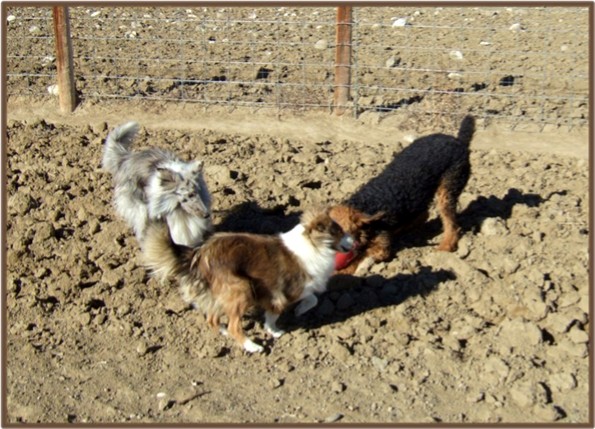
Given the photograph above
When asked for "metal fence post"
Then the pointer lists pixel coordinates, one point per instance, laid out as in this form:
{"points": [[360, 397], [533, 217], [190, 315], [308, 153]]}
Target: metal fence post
{"points": [[65, 69], [343, 59]]}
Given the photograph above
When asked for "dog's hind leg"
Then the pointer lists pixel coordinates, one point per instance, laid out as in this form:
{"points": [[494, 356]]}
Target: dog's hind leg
{"points": [[448, 194], [275, 307], [270, 324], [235, 307], [447, 210], [213, 322]]}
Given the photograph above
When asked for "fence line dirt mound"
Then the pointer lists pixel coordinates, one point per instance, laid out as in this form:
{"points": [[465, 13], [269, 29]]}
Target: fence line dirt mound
{"points": [[496, 332]]}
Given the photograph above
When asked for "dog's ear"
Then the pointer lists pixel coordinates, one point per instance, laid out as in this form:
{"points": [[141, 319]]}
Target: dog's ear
{"points": [[366, 219], [167, 177], [196, 167], [315, 219], [324, 223]]}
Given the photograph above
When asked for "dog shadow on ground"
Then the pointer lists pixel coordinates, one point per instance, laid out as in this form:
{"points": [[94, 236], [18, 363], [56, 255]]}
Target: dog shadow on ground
{"points": [[349, 296], [250, 217], [491, 207], [472, 217]]}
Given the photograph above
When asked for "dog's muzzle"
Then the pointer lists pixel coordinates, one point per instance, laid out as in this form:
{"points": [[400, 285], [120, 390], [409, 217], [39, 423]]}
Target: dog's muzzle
{"points": [[346, 244], [347, 253]]}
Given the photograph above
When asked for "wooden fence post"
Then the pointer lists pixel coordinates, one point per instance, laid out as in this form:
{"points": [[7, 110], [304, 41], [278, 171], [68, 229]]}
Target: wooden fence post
{"points": [[66, 88], [343, 59]]}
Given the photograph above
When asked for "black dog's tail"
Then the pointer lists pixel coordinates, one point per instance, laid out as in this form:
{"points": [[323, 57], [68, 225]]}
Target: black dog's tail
{"points": [[466, 130]]}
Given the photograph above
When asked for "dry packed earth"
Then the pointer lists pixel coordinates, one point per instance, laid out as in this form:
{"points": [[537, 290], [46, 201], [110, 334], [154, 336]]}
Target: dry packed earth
{"points": [[496, 332]]}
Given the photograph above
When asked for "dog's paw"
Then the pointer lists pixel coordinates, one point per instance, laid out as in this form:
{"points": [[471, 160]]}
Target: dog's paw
{"points": [[306, 304], [274, 331], [251, 347], [270, 324], [364, 267]]}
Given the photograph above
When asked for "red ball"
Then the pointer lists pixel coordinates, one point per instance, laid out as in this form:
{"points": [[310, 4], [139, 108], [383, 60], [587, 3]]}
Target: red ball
{"points": [[343, 259]]}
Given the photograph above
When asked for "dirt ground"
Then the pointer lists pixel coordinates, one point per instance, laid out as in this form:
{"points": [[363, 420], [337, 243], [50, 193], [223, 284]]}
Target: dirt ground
{"points": [[498, 331]]}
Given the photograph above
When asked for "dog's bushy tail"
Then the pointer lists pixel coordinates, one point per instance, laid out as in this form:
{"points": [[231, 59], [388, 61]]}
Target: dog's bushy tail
{"points": [[466, 130], [161, 256], [117, 145], [166, 259]]}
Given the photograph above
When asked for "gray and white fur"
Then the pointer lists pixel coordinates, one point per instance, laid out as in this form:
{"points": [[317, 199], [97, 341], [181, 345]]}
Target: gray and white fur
{"points": [[155, 184]]}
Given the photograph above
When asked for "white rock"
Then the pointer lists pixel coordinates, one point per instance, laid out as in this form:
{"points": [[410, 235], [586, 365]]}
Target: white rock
{"points": [[95, 14], [519, 334], [484, 43], [573, 349], [516, 27], [497, 366], [456, 55], [53, 89], [523, 395], [333, 418], [493, 226], [454, 75], [578, 336], [11, 18], [34, 29], [47, 60], [379, 363], [561, 382], [390, 62], [321, 44], [400, 22]]}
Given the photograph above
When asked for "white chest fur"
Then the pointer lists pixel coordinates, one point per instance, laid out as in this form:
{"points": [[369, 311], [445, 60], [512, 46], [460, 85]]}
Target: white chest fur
{"points": [[185, 229], [318, 262]]}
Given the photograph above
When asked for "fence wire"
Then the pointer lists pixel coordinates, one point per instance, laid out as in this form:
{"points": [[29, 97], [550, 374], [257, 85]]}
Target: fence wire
{"points": [[523, 67]]}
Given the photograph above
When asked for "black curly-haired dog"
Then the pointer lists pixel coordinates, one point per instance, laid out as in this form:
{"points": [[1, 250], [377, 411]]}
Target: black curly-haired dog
{"points": [[400, 196]]}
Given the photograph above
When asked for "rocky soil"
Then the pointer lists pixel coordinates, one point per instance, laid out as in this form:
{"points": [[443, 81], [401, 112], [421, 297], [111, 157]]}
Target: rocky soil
{"points": [[496, 332]]}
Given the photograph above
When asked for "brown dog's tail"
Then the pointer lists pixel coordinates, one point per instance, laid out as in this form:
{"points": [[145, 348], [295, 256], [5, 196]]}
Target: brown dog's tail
{"points": [[466, 130], [162, 257], [166, 259]]}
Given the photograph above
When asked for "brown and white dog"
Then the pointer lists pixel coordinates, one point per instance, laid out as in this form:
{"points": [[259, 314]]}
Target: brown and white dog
{"points": [[233, 272], [400, 196]]}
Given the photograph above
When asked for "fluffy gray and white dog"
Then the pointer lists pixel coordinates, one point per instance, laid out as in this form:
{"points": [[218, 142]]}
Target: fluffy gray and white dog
{"points": [[155, 184]]}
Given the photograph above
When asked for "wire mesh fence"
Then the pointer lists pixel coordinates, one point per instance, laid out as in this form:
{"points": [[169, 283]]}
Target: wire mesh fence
{"points": [[525, 67]]}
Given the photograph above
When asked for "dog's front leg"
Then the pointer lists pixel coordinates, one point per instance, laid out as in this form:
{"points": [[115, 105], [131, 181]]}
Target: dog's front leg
{"points": [[364, 267], [270, 324], [307, 303]]}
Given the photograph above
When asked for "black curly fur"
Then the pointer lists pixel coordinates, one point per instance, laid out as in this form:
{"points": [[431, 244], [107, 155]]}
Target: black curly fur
{"points": [[405, 189]]}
